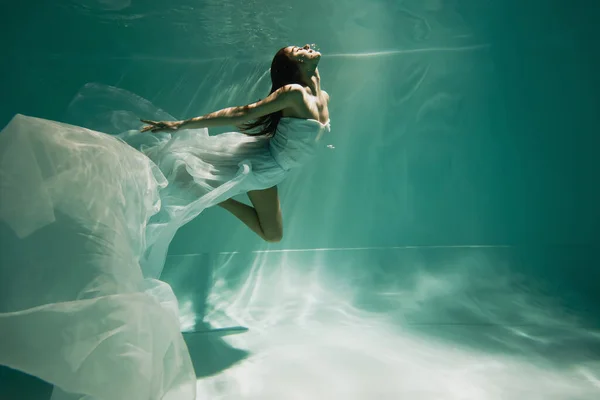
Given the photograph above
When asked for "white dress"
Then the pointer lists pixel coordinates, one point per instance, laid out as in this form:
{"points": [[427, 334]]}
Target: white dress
{"points": [[85, 225]]}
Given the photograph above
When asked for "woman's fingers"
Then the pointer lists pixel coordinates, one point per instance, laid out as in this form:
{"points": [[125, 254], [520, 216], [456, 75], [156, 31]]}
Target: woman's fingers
{"points": [[155, 126]]}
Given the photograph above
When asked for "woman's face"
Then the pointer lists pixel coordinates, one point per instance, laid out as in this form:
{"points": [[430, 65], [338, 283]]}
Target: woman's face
{"points": [[304, 55]]}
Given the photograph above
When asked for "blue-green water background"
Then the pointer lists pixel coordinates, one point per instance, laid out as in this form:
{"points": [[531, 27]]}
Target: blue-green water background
{"points": [[455, 124]]}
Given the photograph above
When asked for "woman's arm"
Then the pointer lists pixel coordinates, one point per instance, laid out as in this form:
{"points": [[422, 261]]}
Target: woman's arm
{"points": [[289, 96]]}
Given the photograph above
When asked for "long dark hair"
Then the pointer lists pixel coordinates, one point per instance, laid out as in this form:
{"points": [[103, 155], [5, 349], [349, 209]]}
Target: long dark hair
{"points": [[284, 71]]}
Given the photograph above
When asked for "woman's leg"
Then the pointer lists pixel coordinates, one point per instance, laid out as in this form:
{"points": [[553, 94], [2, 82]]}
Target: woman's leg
{"points": [[264, 218]]}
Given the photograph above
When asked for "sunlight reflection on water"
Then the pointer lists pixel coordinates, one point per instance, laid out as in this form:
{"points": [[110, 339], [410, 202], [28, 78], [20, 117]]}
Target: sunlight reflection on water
{"points": [[322, 333]]}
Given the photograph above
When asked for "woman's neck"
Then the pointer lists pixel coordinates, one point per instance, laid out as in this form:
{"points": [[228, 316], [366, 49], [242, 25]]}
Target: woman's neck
{"points": [[313, 81]]}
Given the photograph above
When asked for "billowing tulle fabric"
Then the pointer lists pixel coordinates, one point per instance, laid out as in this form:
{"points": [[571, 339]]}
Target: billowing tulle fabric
{"points": [[86, 220], [203, 171], [75, 309]]}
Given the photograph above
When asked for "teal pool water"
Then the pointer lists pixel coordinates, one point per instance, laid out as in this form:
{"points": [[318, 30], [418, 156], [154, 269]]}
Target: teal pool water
{"points": [[444, 246]]}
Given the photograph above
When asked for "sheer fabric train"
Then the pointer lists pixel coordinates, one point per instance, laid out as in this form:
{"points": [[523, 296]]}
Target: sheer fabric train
{"points": [[86, 220]]}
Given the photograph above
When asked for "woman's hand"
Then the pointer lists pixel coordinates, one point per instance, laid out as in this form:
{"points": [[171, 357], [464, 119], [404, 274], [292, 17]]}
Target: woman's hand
{"points": [[160, 126]]}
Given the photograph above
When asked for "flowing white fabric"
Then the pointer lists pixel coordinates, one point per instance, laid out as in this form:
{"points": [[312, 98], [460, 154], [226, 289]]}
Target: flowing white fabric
{"points": [[85, 225], [205, 170]]}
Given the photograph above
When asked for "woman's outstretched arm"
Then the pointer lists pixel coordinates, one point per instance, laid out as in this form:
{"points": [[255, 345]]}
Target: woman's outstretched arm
{"points": [[289, 96]]}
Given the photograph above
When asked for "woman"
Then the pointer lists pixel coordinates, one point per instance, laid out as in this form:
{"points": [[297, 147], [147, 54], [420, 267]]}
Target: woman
{"points": [[295, 93], [86, 222]]}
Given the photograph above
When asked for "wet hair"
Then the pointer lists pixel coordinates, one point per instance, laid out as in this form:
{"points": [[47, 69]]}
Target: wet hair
{"points": [[284, 71]]}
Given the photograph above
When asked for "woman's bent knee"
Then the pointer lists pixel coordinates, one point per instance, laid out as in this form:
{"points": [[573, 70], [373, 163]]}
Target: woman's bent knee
{"points": [[273, 236]]}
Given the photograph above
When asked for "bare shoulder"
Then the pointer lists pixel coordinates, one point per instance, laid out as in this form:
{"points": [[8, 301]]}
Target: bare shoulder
{"points": [[293, 87], [325, 94], [294, 93]]}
